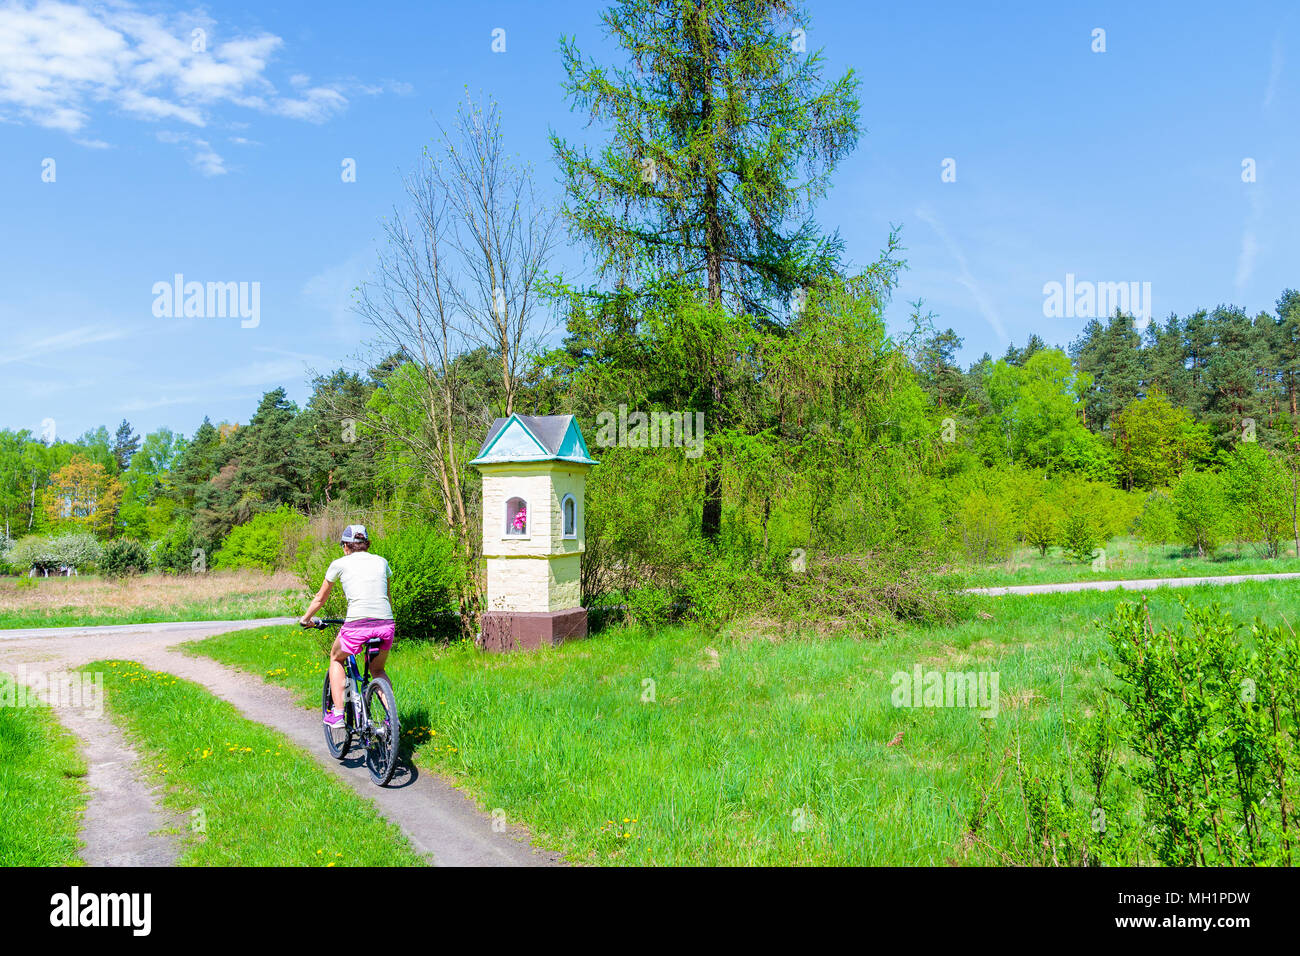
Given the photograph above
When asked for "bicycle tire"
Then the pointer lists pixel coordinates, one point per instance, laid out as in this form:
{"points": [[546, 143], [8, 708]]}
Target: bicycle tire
{"points": [[384, 738], [339, 741]]}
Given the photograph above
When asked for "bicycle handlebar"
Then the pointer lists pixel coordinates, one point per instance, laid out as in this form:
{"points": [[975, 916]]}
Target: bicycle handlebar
{"points": [[322, 623]]}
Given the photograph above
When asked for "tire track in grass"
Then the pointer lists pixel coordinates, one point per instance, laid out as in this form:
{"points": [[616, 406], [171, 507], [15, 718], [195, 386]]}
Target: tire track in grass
{"points": [[42, 784], [246, 795], [123, 824]]}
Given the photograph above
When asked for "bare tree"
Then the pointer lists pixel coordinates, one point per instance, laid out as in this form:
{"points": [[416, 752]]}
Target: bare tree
{"points": [[461, 271], [503, 237]]}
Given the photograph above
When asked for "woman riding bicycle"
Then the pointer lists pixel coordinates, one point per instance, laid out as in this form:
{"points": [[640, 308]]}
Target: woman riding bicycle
{"points": [[365, 580]]}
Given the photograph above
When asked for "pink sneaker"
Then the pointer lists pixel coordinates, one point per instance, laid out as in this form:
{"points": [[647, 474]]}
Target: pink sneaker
{"points": [[334, 720]]}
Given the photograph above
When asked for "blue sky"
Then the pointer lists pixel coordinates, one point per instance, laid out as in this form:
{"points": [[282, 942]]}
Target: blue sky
{"points": [[1114, 167]]}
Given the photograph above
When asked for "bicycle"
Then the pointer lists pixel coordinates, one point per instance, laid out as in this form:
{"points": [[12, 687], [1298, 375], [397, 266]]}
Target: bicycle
{"points": [[369, 712]]}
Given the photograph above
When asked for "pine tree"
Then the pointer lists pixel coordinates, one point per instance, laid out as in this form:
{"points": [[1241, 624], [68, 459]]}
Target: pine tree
{"points": [[1111, 355], [125, 444], [723, 138], [1231, 374], [197, 464], [936, 367], [273, 463]]}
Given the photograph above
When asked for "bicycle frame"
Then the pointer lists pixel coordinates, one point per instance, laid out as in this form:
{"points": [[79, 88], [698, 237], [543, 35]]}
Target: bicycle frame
{"points": [[354, 685], [381, 742], [355, 688]]}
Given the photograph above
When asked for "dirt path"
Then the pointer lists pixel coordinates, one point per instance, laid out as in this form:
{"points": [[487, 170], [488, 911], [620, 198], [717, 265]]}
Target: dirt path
{"points": [[1141, 584], [124, 824], [438, 820]]}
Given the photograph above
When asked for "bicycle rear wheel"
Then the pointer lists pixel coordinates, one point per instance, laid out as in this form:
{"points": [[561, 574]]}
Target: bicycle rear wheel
{"points": [[385, 734], [337, 739]]}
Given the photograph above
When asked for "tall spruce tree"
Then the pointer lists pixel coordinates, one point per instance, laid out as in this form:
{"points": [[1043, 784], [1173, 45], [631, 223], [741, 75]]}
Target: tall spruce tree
{"points": [[125, 444], [197, 464], [1111, 355], [274, 465], [723, 136]]}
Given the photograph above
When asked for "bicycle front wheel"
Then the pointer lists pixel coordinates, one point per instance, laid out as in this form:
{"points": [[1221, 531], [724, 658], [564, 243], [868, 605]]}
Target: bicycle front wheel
{"points": [[385, 734], [337, 739]]}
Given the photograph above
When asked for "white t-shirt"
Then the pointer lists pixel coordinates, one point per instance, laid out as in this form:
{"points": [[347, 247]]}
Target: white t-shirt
{"points": [[365, 582]]}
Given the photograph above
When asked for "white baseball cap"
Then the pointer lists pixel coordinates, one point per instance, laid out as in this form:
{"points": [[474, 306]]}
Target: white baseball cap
{"points": [[353, 533]]}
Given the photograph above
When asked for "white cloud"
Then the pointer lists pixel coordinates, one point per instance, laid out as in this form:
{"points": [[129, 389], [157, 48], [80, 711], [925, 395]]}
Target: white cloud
{"points": [[146, 404], [202, 156], [1250, 247], [36, 348], [319, 104], [1274, 73], [61, 62], [331, 292], [1246, 260], [964, 276]]}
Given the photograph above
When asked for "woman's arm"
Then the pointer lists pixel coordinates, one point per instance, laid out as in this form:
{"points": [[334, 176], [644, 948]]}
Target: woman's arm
{"points": [[317, 602]]}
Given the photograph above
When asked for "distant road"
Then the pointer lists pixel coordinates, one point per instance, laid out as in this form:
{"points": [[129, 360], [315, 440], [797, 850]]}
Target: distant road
{"points": [[1141, 584], [158, 627]]}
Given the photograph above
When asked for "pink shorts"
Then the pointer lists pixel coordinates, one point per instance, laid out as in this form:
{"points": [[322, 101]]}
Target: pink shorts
{"points": [[354, 634]]}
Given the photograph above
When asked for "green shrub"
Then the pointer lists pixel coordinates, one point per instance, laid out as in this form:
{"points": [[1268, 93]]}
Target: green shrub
{"points": [[1040, 527], [1258, 490], [862, 594], [174, 552], [1079, 537], [122, 557], [1157, 524], [984, 525], [267, 541], [426, 579], [650, 606], [1212, 722], [1201, 511]]}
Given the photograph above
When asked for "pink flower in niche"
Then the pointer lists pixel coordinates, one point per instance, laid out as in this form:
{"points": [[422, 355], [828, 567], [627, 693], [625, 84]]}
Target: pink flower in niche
{"points": [[521, 520]]}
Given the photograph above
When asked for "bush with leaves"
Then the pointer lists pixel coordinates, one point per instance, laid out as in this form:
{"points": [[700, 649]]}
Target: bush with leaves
{"points": [[1258, 490], [268, 541], [1157, 524], [1201, 511], [1040, 527], [863, 594], [984, 526], [1192, 759], [174, 552], [1079, 537], [426, 579], [123, 557], [1214, 725]]}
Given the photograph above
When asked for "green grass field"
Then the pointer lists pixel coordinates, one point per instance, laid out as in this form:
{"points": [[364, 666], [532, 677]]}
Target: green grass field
{"points": [[246, 795], [751, 751], [41, 791], [1127, 559]]}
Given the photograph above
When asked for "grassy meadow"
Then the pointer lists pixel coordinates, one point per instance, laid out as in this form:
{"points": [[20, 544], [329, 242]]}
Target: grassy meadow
{"points": [[683, 747], [86, 600], [42, 795]]}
